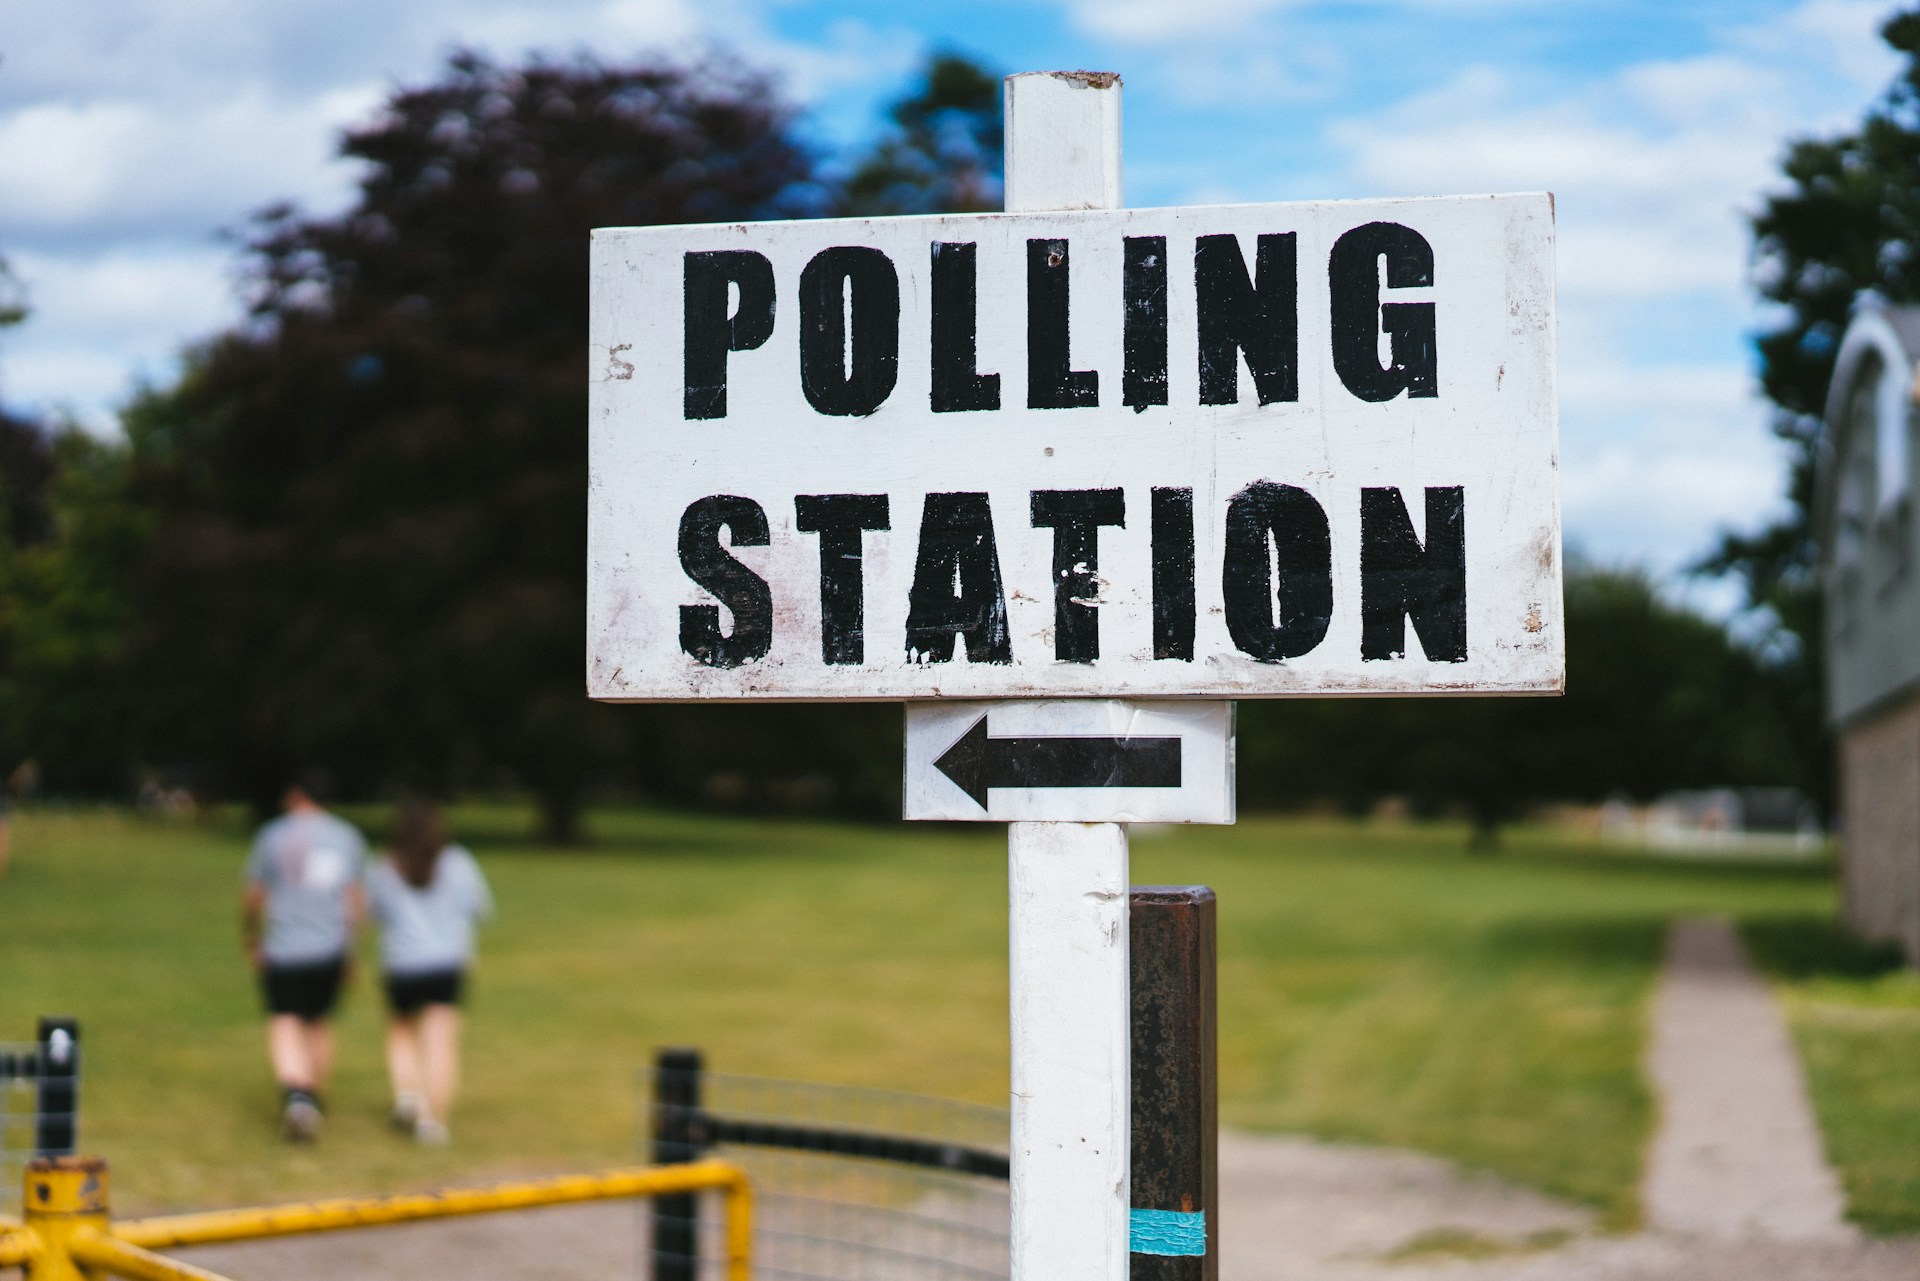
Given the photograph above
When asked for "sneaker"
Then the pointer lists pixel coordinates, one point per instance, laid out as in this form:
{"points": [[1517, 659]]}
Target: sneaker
{"points": [[430, 1133], [301, 1120], [405, 1116]]}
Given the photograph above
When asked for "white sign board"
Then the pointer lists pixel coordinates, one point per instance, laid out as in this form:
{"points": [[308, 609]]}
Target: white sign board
{"points": [[1229, 452], [1077, 760]]}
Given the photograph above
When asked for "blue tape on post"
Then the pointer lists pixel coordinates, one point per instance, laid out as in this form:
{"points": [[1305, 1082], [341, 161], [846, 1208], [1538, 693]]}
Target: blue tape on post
{"points": [[1176, 1232]]}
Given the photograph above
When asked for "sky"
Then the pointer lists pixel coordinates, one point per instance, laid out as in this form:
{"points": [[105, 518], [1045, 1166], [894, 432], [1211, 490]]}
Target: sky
{"points": [[137, 136]]}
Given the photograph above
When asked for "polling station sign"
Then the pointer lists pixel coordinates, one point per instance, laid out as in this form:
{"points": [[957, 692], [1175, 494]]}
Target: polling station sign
{"points": [[1226, 452]]}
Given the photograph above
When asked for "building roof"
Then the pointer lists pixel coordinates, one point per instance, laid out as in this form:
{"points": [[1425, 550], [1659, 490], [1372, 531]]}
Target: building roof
{"points": [[1863, 512]]}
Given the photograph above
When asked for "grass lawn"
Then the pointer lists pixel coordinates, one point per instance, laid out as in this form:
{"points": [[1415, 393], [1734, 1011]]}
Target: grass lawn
{"points": [[1377, 983], [1856, 1020]]}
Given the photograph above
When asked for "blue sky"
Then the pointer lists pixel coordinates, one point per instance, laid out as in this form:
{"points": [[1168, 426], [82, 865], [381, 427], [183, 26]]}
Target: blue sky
{"points": [[132, 132]]}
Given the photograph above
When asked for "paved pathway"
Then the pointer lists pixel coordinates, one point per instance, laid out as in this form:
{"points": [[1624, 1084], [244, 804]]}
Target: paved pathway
{"points": [[1738, 1154]]}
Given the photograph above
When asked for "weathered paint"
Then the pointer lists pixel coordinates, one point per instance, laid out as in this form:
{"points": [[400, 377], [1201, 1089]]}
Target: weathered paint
{"points": [[1067, 533]]}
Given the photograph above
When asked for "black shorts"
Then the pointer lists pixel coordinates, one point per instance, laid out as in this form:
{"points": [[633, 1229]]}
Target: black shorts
{"points": [[408, 994], [308, 991]]}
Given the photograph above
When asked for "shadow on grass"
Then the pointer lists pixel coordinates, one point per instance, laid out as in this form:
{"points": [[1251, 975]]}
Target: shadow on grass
{"points": [[1807, 947], [1580, 943]]}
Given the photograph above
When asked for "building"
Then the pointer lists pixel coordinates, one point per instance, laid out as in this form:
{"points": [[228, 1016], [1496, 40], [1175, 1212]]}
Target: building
{"points": [[1870, 552]]}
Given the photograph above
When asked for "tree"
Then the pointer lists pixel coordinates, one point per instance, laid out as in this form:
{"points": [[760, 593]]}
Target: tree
{"points": [[944, 152], [65, 620], [1848, 222], [940, 154], [369, 551], [67, 539], [1657, 698]]}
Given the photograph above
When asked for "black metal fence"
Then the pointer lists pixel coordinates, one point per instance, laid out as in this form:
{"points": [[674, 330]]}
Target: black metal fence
{"points": [[868, 1185], [39, 1098], [851, 1184]]}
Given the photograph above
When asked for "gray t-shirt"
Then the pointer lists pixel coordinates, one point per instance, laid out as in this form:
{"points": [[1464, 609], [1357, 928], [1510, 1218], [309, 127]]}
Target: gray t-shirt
{"points": [[428, 929], [306, 862]]}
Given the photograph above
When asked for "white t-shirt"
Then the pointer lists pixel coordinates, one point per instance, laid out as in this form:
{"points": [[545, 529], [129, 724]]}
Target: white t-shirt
{"points": [[305, 862], [431, 928]]}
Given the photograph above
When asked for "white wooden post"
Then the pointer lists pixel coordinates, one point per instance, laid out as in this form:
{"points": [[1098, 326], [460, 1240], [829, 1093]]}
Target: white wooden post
{"points": [[1067, 882]]}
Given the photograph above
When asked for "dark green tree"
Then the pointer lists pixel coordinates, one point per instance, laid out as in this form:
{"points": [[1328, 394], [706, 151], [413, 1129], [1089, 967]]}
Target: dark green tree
{"points": [[1657, 698], [65, 618], [940, 153], [370, 553], [1849, 221], [68, 536]]}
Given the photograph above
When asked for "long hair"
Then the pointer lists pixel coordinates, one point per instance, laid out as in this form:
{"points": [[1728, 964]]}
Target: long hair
{"points": [[419, 834]]}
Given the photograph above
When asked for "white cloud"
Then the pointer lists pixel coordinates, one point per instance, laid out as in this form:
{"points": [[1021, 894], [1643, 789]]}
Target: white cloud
{"points": [[1654, 166], [1156, 21], [107, 165], [101, 320], [1660, 508], [131, 131]]}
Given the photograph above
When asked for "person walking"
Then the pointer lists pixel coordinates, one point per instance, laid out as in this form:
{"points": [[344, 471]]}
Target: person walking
{"points": [[427, 895], [300, 912]]}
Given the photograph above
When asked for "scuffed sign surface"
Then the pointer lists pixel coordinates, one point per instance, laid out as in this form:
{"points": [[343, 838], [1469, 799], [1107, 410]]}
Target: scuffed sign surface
{"points": [[1232, 452]]}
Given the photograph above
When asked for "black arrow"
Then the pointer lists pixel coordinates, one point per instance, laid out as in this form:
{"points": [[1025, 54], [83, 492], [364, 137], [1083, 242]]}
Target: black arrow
{"points": [[977, 762]]}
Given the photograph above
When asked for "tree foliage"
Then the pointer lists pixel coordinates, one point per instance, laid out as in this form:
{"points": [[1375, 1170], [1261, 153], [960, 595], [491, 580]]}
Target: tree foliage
{"points": [[68, 540], [944, 152], [1657, 697], [370, 550], [350, 535]]}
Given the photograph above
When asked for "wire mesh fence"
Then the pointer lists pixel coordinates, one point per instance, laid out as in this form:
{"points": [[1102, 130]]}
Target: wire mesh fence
{"points": [[851, 1184], [19, 1100]]}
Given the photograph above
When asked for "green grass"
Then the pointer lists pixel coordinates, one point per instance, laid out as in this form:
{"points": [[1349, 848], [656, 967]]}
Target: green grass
{"points": [[1856, 1019], [1377, 984]]}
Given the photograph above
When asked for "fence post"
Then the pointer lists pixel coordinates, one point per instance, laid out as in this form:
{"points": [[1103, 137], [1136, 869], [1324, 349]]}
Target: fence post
{"points": [[679, 1134], [57, 1110], [1175, 1229]]}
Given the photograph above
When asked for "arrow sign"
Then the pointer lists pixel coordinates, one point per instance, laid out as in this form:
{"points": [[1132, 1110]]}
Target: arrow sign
{"points": [[978, 762]]}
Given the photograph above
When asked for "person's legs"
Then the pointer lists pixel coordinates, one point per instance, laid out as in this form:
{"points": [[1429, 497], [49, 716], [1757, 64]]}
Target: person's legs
{"points": [[289, 1053], [320, 1046], [403, 1069], [300, 1039], [290, 1048], [440, 1058]]}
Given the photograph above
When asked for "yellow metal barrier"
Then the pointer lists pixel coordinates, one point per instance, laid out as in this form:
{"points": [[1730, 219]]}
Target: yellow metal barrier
{"points": [[68, 1235]]}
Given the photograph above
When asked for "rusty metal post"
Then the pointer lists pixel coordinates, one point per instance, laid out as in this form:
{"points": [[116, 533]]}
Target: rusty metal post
{"points": [[57, 1106], [1175, 1230], [679, 1135]]}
